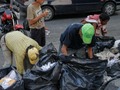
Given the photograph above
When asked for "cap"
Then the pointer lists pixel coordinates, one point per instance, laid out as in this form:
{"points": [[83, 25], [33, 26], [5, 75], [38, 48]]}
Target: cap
{"points": [[92, 19], [33, 55], [87, 33]]}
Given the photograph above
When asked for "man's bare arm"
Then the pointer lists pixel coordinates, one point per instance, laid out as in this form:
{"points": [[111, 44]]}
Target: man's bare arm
{"points": [[64, 50]]}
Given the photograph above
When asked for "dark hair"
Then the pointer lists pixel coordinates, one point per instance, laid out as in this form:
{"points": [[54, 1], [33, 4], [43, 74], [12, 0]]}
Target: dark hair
{"points": [[104, 16], [26, 62], [29, 47]]}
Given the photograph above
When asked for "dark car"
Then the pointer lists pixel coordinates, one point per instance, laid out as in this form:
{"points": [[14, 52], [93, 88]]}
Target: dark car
{"points": [[56, 7]]}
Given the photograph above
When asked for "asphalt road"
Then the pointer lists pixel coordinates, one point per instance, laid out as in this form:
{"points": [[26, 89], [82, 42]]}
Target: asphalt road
{"points": [[60, 23]]}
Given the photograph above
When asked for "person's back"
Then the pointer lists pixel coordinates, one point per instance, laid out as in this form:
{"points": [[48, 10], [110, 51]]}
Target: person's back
{"points": [[15, 44], [75, 38], [18, 42], [99, 22], [72, 34]]}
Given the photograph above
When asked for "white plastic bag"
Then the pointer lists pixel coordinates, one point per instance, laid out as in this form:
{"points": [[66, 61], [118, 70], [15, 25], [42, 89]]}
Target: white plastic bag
{"points": [[105, 55], [112, 62], [47, 66], [8, 80], [116, 43], [47, 32]]}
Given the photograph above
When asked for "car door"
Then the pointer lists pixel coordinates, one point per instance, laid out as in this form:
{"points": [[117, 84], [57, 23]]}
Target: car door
{"points": [[63, 6], [118, 1], [118, 4], [88, 5]]}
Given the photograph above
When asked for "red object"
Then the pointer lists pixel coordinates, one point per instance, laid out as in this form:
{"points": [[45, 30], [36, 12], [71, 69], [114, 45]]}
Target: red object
{"points": [[18, 26], [95, 16], [3, 19], [7, 16]]}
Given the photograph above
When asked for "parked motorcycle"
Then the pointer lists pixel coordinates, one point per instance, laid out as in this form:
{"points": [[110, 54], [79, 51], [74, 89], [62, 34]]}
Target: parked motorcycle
{"points": [[9, 19]]}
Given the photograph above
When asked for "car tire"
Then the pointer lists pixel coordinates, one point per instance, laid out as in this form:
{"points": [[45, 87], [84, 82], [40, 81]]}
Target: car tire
{"points": [[50, 12], [109, 8]]}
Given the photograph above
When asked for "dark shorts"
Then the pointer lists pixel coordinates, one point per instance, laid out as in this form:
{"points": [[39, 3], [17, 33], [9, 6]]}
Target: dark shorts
{"points": [[39, 36]]}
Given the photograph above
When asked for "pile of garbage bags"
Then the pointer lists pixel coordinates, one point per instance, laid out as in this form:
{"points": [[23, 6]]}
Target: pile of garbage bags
{"points": [[59, 72], [73, 74], [103, 42], [113, 84]]}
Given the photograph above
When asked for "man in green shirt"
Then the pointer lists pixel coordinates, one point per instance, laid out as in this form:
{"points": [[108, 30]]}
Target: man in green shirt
{"points": [[15, 44]]}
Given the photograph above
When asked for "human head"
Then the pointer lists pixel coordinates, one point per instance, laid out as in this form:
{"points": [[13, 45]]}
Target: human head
{"points": [[32, 54], [93, 20], [104, 18], [40, 1], [87, 31]]}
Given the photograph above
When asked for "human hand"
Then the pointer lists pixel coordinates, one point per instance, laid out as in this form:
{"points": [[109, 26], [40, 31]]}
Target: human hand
{"points": [[46, 28], [45, 13]]}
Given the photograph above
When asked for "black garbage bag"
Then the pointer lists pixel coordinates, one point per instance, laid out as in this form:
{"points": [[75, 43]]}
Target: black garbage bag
{"points": [[72, 79], [48, 49], [114, 70], [103, 42], [119, 47], [113, 84], [42, 78], [18, 85], [82, 74]]}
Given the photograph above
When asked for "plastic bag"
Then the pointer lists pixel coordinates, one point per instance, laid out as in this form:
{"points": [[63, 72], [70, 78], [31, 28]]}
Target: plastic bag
{"points": [[48, 49], [12, 80], [105, 55], [82, 74], [114, 70], [113, 84], [103, 42], [39, 79], [73, 79], [117, 42], [47, 66], [8, 80]]}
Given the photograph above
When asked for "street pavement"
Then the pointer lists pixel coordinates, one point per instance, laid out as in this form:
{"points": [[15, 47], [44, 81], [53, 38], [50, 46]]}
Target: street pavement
{"points": [[60, 23]]}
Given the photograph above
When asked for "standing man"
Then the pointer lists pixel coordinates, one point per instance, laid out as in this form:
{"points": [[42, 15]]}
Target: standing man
{"points": [[75, 37], [35, 18]]}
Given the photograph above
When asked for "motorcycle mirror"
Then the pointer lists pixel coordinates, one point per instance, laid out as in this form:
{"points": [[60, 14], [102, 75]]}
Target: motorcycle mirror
{"points": [[2, 10]]}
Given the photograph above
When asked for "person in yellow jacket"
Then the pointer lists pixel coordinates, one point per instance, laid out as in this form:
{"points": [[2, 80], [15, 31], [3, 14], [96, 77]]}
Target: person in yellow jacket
{"points": [[14, 44]]}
